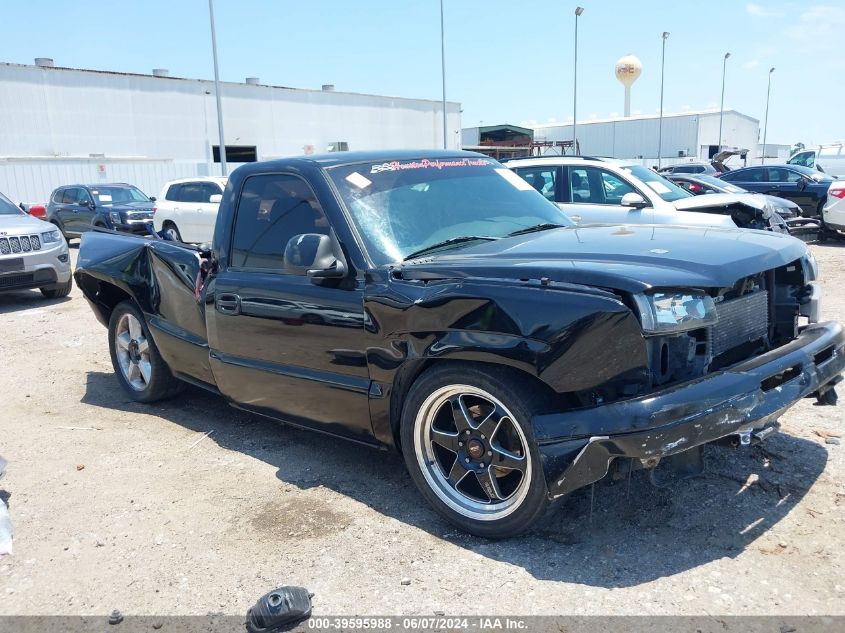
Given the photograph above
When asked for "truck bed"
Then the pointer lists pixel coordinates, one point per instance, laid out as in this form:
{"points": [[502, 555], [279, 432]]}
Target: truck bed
{"points": [[164, 279]]}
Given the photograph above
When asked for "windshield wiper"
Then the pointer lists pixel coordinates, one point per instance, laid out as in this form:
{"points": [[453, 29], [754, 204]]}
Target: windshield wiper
{"points": [[537, 227], [452, 240]]}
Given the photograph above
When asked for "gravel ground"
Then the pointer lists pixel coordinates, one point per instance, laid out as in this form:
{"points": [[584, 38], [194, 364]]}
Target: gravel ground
{"points": [[143, 515]]}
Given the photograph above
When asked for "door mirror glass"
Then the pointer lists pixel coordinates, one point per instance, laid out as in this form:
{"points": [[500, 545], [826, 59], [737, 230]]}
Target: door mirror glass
{"points": [[85, 203], [215, 199], [633, 200], [312, 254]]}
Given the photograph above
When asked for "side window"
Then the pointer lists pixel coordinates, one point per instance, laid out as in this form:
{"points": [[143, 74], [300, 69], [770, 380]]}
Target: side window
{"points": [[778, 174], [272, 209], [57, 196], [614, 187], [84, 196], [191, 192], [754, 174], [579, 186], [543, 179], [209, 189], [71, 196], [807, 159], [173, 193]]}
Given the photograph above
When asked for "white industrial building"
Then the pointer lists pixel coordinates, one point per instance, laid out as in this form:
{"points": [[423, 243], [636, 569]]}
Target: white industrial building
{"points": [[67, 125], [687, 136]]}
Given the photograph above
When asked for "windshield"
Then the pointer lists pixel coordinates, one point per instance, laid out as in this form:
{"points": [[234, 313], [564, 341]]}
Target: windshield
{"points": [[666, 189], [7, 207], [719, 185], [112, 195], [401, 207]]}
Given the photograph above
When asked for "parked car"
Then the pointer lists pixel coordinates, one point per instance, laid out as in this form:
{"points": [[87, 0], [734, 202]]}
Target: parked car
{"points": [[833, 212], [35, 210], [509, 355], [599, 190], [187, 209], [33, 254], [779, 208], [804, 186], [828, 158], [75, 209], [688, 168]]}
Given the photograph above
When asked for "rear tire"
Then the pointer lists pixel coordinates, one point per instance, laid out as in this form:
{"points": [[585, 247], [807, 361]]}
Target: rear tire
{"points": [[468, 444], [141, 370], [172, 231], [57, 292]]}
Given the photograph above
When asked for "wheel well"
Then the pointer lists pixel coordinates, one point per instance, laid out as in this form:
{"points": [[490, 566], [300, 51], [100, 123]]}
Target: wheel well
{"points": [[104, 296], [405, 379]]}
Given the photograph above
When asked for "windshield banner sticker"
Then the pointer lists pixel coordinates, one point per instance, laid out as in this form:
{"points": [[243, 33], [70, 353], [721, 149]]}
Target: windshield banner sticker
{"points": [[429, 164]]}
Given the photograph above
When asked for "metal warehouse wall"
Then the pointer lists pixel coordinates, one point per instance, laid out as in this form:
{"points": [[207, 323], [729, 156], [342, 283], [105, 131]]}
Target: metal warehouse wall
{"points": [[103, 118], [628, 138], [738, 131]]}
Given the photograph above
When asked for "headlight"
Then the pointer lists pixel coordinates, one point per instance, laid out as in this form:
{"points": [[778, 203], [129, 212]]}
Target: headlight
{"points": [[115, 217], [810, 267], [677, 311], [51, 236]]}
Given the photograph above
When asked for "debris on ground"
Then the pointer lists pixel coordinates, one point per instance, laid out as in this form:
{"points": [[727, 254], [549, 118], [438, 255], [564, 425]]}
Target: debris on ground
{"points": [[279, 609], [116, 617]]}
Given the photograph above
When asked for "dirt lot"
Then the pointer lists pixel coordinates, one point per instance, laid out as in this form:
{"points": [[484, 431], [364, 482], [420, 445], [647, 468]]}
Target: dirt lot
{"points": [[141, 514]]}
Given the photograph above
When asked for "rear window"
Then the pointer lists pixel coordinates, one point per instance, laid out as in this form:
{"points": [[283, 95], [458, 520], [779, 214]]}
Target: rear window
{"points": [[173, 193]]}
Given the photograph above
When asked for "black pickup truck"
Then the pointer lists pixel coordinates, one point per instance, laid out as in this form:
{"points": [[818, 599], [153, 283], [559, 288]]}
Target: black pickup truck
{"points": [[435, 303]]}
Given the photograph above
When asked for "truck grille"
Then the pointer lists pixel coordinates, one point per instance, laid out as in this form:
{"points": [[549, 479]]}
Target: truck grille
{"points": [[741, 320], [19, 244]]}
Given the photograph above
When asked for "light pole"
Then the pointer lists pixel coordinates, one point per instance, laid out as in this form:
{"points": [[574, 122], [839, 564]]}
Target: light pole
{"points": [[223, 169], [766, 122], [722, 104], [660, 125], [578, 12], [443, 69]]}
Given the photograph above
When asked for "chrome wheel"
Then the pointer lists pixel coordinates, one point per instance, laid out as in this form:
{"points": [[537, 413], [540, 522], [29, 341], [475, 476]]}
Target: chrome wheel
{"points": [[472, 452], [132, 351]]}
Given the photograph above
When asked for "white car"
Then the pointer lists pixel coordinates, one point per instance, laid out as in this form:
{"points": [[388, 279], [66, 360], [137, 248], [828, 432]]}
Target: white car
{"points": [[187, 208], [833, 211], [33, 254], [606, 191]]}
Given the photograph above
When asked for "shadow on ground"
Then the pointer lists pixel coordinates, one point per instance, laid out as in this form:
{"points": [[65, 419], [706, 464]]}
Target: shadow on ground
{"points": [[699, 521], [18, 300]]}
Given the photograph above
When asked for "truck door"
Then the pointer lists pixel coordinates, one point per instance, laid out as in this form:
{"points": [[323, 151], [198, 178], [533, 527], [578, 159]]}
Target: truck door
{"points": [[280, 344]]}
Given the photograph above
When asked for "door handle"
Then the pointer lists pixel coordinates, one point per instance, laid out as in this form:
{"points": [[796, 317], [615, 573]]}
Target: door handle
{"points": [[227, 303]]}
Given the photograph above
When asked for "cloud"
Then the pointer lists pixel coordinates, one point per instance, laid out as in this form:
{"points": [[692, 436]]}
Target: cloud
{"points": [[751, 64], [819, 29], [758, 11]]}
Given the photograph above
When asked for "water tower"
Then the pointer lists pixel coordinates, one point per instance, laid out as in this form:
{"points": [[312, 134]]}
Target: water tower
{"points": [[628, 70]]}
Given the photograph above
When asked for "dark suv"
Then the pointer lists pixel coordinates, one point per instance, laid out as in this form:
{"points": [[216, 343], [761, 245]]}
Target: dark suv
{"points": [[804, 186], [76, 209]]}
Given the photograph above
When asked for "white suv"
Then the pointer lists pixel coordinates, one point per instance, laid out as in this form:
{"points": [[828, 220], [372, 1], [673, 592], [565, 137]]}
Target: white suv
{"points": [[33, 254], [606, 191], [187, 208]]}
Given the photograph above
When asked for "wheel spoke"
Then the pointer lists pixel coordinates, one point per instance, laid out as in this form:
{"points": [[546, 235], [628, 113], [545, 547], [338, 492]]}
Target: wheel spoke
{"points": [[489, 484], [122, 340], [146, 370], [489, 425], [134, 327], [449, 441], [506, 459], [460, 413], [143, 345], [457, 473], [133, 372]]}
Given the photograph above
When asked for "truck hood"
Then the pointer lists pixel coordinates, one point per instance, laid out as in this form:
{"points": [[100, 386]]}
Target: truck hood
{"points": [[629, 258], [20, 224]]}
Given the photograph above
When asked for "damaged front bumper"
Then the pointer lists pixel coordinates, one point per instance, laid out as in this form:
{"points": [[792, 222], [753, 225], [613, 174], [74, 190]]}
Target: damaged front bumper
{"points": [[578, 447]]}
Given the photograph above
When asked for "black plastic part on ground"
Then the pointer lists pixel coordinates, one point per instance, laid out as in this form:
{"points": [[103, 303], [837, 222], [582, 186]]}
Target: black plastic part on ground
{"points": [[279, 610]]}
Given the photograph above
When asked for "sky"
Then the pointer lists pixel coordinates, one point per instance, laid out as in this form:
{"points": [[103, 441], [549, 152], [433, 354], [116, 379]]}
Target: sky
{"points": [[506, 61]]}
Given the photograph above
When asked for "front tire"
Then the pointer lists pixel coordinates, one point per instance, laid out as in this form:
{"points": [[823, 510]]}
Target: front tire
{"points": [[467, 441], [172, 231], [57, 292], [141, 370]]}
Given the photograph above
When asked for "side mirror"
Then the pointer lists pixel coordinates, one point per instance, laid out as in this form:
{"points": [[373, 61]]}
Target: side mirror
{"points": [[215, 198], [633, 200], [802, 184], [312, 254], [85, 203], [152, 198]]}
